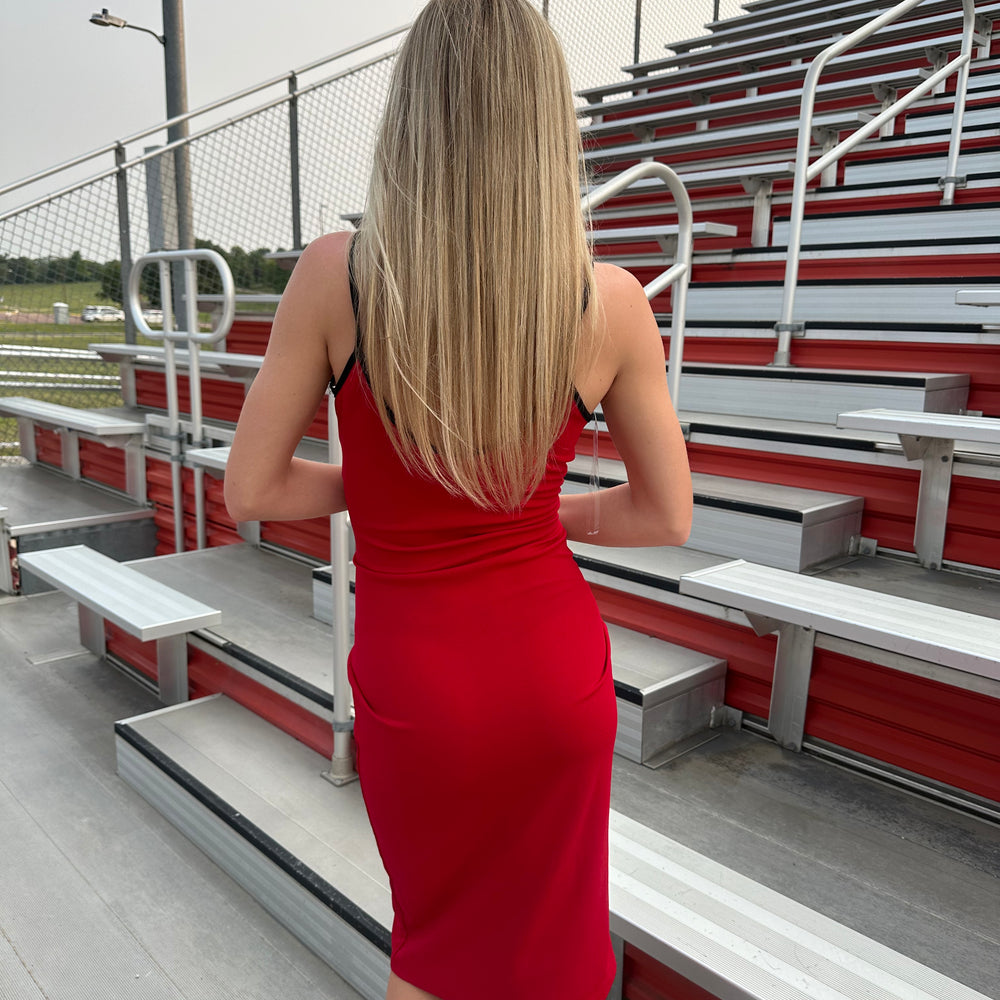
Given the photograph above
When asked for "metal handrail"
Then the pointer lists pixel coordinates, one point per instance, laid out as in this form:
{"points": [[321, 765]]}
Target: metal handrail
{"points": [[194, 337], [786, 327], [680, 271]]}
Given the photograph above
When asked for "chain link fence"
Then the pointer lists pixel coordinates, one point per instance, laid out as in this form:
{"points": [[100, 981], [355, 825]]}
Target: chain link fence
{"points": [[264, 180]]}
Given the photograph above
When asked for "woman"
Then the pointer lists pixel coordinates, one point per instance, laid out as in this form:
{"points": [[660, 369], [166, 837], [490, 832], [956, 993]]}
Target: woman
{"points": [[469, 335]]}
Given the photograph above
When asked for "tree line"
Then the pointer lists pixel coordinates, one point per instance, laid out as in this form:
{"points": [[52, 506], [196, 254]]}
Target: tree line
{"points": [[252, 272]]}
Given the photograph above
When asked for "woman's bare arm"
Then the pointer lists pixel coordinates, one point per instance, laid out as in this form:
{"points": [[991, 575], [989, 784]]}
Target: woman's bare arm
{"points": [[654, 506], [264, 481]]}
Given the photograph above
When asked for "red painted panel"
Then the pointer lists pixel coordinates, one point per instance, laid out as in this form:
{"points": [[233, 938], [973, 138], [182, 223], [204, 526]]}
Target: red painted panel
{"points": [[48, 447], [921, 725], [643, 978], [103, 464], [247, 336], [310, 537], [221, 400]]}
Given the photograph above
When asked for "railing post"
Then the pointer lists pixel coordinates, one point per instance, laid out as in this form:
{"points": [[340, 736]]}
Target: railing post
{"points": [[124, 237], [342, 770], [638, 31], [293, 160]]}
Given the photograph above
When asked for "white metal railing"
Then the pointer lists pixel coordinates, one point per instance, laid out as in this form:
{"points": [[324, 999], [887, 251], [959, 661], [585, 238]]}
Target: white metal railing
{"points": [[192, 334], [679, 272], [805, 171]]}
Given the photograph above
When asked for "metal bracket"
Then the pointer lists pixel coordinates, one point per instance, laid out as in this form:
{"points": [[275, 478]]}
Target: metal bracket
{"points": [[960, 181], [796, 329], [343, 727], [790, 688], [763, 625], [861, 546], [726, 717]]}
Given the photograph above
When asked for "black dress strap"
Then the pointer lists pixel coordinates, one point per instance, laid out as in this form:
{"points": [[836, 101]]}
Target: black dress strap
{"points": [[337, 383]]}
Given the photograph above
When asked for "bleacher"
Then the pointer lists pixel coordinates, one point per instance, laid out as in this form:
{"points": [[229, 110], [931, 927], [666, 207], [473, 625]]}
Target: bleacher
{"points": [[828, 637]]}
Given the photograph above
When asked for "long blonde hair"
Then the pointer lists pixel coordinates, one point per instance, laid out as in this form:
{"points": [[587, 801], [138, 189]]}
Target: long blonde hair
{"points": [[472, 257]]}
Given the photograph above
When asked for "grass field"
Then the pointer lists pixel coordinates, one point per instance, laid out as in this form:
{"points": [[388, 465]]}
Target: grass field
{"points": [[39, 298], [25, 375]]}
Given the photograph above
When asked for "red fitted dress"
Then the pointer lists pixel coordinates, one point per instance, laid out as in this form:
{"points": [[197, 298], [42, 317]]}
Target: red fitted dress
{"points": [[485, 721]]}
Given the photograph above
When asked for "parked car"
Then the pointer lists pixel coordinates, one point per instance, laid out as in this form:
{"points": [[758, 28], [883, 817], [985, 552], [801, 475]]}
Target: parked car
{"points": [[102, 314], [154, 317]]}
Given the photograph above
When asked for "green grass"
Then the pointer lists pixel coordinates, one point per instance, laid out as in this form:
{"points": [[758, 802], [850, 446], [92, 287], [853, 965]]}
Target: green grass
{"points": [[39, 297]]}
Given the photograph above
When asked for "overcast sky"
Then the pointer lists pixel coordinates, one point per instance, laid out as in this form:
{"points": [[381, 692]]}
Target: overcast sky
{"points": [[69, 86]]}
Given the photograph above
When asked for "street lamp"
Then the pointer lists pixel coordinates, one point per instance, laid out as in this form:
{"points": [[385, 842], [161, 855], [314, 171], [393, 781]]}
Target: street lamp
{"points": [[106, 20], [172, 41]]}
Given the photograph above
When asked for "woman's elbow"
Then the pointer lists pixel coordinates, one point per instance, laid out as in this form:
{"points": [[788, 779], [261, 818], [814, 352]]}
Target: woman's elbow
{"points": [[239, 500], [674, 530]]}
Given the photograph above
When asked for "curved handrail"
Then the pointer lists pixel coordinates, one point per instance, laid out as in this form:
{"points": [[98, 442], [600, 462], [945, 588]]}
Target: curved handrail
{"points": [[188, 258], [194, 338], [805, 172], [680, 271]]}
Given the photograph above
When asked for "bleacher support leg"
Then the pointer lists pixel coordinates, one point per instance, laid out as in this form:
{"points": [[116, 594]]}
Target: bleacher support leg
{"points": [[790, 687], [91, 630], [26, 437], [171, 669], [935, 489]]}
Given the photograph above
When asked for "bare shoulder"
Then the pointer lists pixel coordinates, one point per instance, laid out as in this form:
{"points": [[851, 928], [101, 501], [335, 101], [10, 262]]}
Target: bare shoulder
{"points": [[317, 301], [628, 317]]}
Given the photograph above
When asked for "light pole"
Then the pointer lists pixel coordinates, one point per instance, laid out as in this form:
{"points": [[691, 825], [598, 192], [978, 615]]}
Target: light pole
{"points": [[172, 41]]}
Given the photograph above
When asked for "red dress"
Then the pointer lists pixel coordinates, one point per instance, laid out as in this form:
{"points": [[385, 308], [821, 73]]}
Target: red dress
{"points": [[485, 721]]}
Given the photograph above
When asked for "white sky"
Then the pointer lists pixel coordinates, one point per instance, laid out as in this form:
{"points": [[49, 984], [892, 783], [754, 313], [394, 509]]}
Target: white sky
{"points": [[70, 86]]}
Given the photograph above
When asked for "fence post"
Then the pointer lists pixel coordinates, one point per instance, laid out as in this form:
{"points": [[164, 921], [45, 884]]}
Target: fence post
{"points": [[293, 160], [638, 31], [124, 237], [545, 9]]}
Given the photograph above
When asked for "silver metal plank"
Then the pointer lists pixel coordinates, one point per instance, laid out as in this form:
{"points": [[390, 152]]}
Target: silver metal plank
{"points": [[950, 426], [94, 422], [927, 225], [978, 296], [208, 458], [740, 939], [144, 608], [917, 302], [955, 639], [650, 234]]}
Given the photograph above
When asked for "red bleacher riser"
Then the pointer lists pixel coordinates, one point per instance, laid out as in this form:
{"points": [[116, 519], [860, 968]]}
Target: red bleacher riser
{"points": [[888, 714], [248, 336], [48, 447], [221, 400], [310, 537], [643, 978], [102, 464]]}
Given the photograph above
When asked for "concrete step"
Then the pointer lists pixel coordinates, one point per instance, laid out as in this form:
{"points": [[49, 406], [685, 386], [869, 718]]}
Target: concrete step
{"points": [[781, 526], [41, 508]]}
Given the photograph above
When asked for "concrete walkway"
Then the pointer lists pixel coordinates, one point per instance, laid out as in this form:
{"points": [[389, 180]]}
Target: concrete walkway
{"points": [[100, 897]]}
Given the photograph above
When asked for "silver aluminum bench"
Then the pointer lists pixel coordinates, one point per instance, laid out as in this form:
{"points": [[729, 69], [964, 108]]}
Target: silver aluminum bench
{"points": [[665, 237], [741, 940], [798, 607], [143, 607], [930, 439], [115, 430]]}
